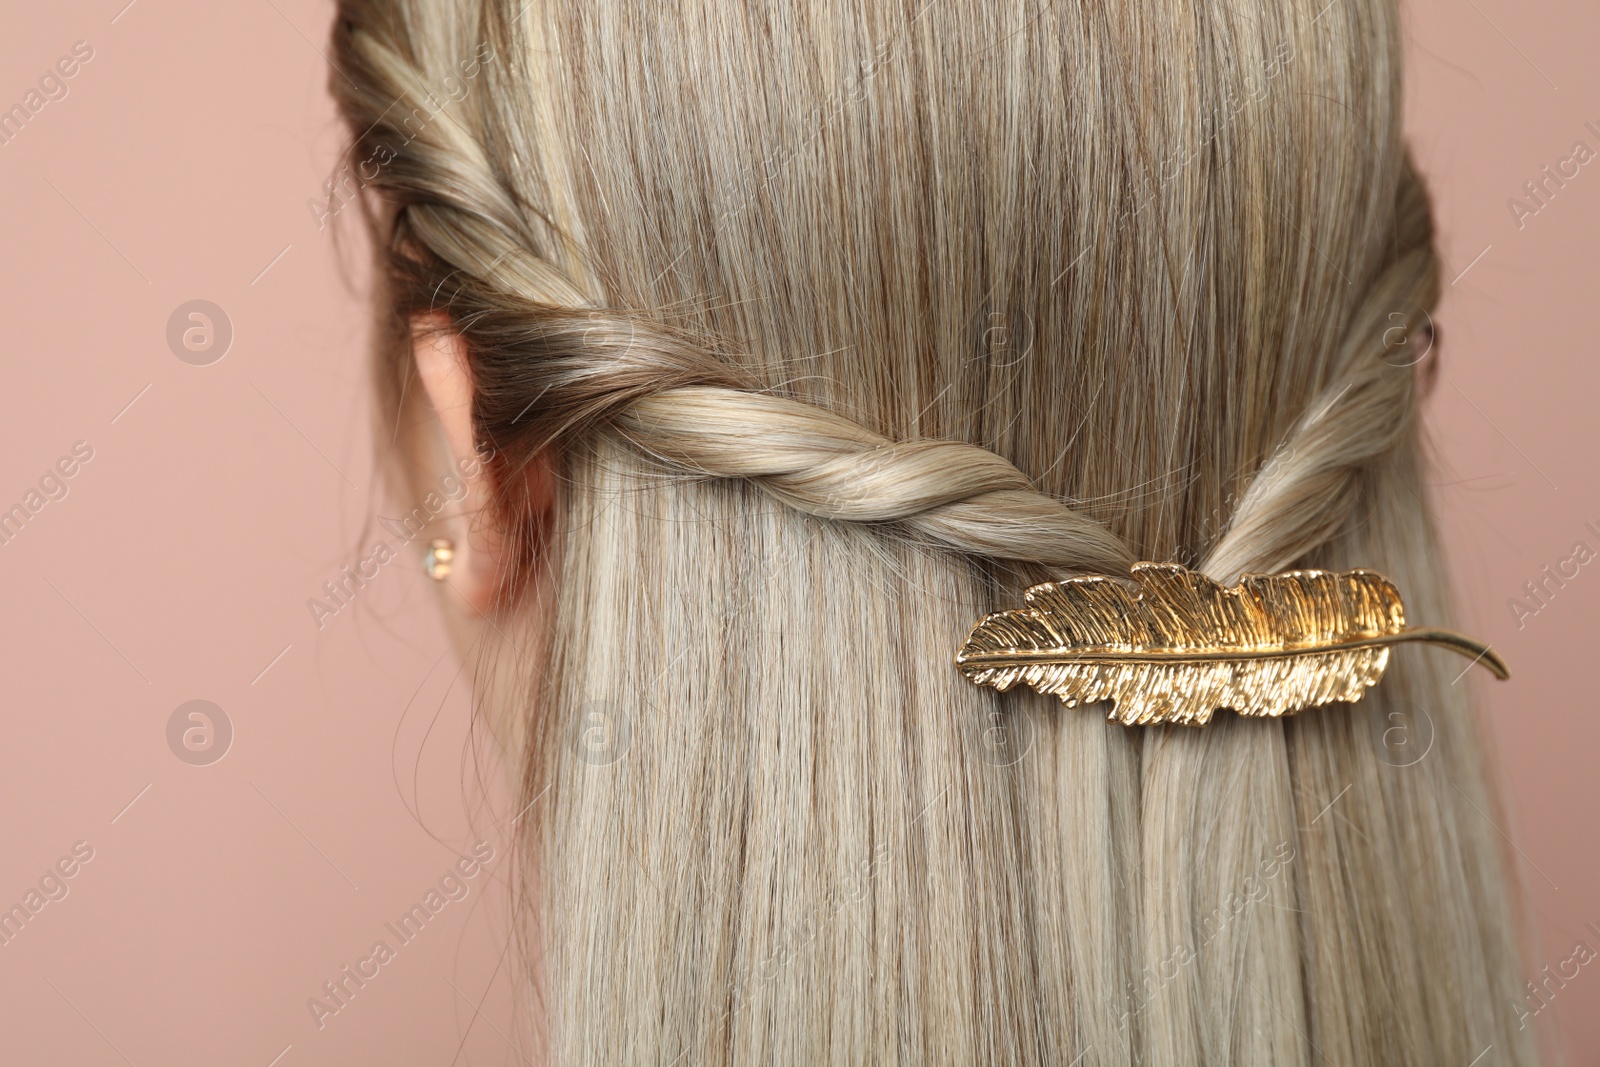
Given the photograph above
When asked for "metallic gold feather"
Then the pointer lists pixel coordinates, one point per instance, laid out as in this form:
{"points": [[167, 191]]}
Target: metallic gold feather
{"points": [[1169, 645]]}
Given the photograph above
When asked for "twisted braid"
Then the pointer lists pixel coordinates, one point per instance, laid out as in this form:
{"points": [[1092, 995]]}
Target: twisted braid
{"points": [[548, 374], [559, 372], [953, 493]]}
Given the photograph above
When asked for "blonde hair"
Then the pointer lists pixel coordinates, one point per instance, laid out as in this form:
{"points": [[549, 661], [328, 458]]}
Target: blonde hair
{"points": [[844, 323]]}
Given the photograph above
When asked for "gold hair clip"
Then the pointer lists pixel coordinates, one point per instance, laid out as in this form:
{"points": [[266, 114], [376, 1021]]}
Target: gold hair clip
{"points": [[1169, 645]]}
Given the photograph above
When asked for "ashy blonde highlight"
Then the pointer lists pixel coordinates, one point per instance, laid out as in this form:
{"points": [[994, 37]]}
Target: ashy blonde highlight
{"points": [[845, 324]]}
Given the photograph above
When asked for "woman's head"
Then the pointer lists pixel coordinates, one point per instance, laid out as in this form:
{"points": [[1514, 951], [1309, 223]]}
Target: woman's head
{"points": [[797, 336]]}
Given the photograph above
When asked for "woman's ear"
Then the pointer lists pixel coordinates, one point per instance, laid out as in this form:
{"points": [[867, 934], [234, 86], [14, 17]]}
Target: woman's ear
{"points": [[480, 563], [477, 567]]}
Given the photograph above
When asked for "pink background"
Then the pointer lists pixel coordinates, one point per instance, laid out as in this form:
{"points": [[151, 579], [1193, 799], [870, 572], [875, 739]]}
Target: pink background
{"points": [[178, 566]]}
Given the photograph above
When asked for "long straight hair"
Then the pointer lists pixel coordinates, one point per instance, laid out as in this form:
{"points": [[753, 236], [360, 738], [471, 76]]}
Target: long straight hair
{"points": [[842, 323]]}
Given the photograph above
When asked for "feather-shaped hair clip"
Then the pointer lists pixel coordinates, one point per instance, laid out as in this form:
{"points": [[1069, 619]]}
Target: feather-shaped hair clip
{"points": [[1169, 645]]}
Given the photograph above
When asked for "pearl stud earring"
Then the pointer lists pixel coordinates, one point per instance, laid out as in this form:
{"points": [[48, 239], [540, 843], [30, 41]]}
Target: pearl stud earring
{"points": [[440, 554]]}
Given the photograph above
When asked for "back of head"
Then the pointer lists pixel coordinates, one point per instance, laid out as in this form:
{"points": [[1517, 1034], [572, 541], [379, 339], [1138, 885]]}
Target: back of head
{"points": [[844, 324]]}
